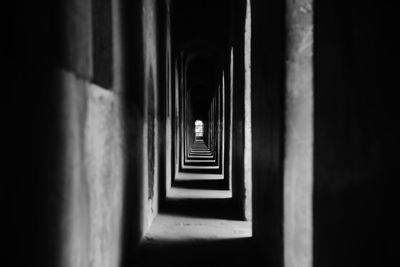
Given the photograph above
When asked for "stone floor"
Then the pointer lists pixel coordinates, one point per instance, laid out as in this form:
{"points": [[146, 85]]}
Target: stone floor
{"points": [[175, 228], [197, 229]]}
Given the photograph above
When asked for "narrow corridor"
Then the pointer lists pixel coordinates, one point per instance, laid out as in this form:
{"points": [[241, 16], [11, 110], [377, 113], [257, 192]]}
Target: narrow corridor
{"points": [[200, 133]]}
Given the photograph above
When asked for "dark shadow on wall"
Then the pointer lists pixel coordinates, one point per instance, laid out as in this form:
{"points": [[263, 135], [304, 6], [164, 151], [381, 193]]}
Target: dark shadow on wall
{"points": [[354, 133], [268, 57], [134, 71], [33, 143], [141, 110]]}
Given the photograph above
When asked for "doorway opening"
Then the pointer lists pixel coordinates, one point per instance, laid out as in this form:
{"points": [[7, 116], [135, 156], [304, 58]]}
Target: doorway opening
{"points": [[199, 129]]}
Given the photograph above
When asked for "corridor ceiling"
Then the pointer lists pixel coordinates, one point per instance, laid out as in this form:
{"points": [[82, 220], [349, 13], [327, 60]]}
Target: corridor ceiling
{"points": [[200, 35]]}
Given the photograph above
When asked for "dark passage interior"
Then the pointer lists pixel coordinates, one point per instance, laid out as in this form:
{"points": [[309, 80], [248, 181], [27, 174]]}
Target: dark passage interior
{"points": [[199, 133], [200, 219]]}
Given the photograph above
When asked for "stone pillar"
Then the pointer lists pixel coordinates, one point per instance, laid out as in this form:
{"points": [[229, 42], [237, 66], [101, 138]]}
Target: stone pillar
{"points": [[298, 159]]}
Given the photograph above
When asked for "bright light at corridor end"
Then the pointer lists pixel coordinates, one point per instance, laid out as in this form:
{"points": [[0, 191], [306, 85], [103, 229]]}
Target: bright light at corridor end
{"points": [[199, 128]]}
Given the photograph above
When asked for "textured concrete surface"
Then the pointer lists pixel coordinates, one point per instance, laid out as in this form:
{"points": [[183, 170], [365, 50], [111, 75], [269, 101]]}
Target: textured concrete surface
{"points": [[142, 121], [247, 153], [150, 83], [298, 161], [94, 155], [93, 169]]}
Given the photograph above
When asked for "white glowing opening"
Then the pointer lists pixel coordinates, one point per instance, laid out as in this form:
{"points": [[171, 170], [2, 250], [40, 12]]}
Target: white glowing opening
{"points": [[199, 128]]}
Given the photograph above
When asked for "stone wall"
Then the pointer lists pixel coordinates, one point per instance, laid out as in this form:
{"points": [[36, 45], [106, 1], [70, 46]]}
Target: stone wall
{"points": [[93, 133]]}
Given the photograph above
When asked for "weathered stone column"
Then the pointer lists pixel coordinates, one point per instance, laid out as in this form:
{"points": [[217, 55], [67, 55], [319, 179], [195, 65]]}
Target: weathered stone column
{"points": [[298, 157], [247, 115]]}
